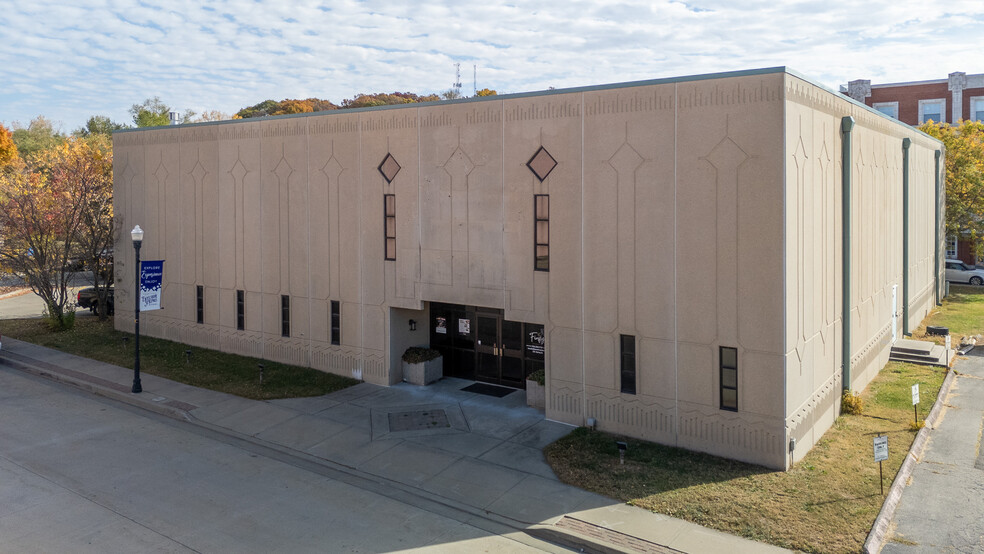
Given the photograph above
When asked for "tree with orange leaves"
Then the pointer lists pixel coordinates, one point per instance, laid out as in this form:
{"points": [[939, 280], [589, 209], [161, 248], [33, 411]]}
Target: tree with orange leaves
{"points": [[8, 150], [49, 207]]}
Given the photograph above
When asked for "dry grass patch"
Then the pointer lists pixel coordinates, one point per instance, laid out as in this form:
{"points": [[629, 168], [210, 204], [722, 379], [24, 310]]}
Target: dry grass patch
{"points": [[826, 503], [205, 368]]}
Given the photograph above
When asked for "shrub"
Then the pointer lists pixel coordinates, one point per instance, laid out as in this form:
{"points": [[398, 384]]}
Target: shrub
{"points": [[63, 323], [417, 354], [539, 376], [851, 403]]}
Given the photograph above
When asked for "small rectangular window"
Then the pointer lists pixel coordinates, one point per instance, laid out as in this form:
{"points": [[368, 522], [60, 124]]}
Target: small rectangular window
{"points": [[934, 110], [951, 247], [977, 108], [200, 299], [541, 232], [285, 315], [628, 364], [240, 310], [891, 109], [729, 378], [336, 323], [389, 216]]}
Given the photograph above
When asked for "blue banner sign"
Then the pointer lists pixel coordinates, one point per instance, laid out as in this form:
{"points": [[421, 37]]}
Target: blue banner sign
{"points": [[151, 284]]}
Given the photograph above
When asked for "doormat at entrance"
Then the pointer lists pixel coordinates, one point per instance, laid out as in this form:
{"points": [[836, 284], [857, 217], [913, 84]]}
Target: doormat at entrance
{"points": [[489, 390]]}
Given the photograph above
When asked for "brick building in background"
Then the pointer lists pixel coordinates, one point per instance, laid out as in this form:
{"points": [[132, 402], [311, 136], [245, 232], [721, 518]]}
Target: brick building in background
{"points": [[958, 97]]}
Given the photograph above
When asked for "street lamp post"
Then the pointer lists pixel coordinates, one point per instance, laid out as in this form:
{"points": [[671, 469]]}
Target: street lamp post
{"points": [[137, 235]]}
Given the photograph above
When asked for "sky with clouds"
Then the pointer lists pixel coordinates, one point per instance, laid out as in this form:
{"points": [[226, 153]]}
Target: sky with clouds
{"points": [[68, 60]]}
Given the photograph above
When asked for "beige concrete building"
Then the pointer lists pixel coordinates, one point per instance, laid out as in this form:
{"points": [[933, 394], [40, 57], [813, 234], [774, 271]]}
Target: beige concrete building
{"points": [[670, 251]]}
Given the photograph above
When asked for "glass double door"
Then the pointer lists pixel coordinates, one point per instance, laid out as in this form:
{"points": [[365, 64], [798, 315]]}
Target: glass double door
{"points": [[480, 344], [499, 350]]}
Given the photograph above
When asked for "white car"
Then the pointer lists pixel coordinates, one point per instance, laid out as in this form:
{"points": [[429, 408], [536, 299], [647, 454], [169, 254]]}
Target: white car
{"points": [[959, 272]]}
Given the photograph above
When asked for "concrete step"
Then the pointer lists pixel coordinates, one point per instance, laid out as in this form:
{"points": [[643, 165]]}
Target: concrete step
{"points": [[910, 346], [933, 355]]}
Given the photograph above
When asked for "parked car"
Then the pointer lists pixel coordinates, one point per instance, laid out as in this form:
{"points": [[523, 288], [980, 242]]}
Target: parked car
{"points": [[959, 272], [87, 299]]}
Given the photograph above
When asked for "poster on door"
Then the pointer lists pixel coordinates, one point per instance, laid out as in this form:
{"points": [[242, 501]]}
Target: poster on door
{"points": [[464, 326], [535, 342], [441, 325]]}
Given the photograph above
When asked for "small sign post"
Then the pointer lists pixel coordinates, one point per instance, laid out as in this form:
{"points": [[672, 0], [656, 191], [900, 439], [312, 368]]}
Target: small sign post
{"points": [[881, 454], [915, 402], [948, 351]]}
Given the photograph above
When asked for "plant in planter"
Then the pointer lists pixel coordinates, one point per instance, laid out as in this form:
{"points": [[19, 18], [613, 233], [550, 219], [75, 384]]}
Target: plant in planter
{"points": [[536, 391], [422, 366]]}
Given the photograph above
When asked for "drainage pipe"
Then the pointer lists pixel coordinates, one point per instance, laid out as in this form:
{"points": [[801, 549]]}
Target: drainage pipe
{"points": [[847, 125], [906, 143], [936, 232]]}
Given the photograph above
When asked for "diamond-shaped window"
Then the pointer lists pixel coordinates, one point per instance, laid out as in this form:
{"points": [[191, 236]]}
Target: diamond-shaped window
{"points": [[541, 164], [389, 168]]}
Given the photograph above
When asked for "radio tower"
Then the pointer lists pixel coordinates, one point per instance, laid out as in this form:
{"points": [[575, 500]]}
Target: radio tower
{"points": [[457, 79], [475, 77]]}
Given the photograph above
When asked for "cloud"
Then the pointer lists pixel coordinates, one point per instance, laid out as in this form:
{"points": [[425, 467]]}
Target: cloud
{"points": [[71, 62]]}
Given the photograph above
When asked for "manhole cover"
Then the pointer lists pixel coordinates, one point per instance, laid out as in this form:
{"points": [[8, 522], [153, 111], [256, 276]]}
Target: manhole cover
{"points": [[418, 420]]}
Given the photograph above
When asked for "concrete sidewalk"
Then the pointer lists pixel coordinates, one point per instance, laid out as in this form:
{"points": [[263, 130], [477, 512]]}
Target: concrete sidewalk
{"points": [[475, 453]]}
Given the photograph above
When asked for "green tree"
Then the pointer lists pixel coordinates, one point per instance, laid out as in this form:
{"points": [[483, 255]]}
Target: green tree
{"points": [[154, 113], [39, 135], [964, 150], [98, 125]]}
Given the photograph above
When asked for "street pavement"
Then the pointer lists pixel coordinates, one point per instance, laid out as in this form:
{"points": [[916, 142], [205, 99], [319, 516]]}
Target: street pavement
{"points": [[25, 304], [84, 474], [472, 459], [942, 506]]}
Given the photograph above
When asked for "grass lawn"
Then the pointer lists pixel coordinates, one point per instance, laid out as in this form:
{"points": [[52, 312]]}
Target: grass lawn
{"points": [[826, 503], [961, 313], [208, 369]]}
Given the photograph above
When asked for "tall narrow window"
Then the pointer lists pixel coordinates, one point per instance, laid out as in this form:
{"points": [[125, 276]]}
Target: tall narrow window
{"points": [[285, 315], [628, 364], [240, 310], [200, 299], [389, 215], [541, 239], [729, 378], [336, 323]]}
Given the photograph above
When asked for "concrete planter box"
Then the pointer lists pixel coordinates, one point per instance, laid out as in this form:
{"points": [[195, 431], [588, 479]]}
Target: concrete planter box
{"points": [[536, 395], [423, 373]]}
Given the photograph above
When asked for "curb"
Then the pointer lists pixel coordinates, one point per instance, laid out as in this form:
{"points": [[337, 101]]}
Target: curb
{"points": [[88, 386], [876, 537], [15, 293]]}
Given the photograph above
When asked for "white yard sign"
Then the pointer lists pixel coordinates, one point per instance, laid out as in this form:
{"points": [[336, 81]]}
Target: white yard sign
{"points": [[881, 449], [915, 394]]}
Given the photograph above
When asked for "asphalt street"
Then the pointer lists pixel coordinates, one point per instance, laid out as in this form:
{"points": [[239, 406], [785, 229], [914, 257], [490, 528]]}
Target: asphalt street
{"points": [[83, 474], [941, 509]]}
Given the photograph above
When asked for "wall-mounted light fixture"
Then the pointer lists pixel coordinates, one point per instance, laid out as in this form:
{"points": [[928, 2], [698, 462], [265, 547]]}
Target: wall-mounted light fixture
{"points": [[413, 325]]}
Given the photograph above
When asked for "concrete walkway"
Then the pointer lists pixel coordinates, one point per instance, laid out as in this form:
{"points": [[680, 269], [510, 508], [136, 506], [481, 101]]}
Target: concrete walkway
{"points": [[474, 453], [942, 507]]}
